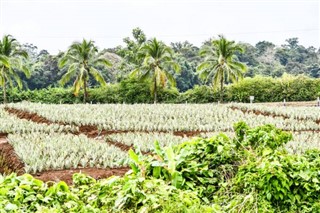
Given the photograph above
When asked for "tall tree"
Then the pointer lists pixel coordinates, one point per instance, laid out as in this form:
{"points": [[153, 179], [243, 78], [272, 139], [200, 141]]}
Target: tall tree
{"points": [[129, 51], [187, 55], [81, 59], [12, 60], [220, 63], [157, 60]]}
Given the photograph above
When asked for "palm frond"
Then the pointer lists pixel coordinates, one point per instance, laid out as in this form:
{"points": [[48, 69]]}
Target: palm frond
{"points": [[17, 79], [204, 65], [63, 61], [145, 76], [4, 60], [134, 72], [97, 76], [170, 78], [26, 70], [103, 61], [70, 73]]}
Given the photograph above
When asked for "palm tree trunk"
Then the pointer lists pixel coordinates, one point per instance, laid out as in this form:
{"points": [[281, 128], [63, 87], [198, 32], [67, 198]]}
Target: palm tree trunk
{"points": [[85, 91], [155, 91], [221, 89], [4, 91]]}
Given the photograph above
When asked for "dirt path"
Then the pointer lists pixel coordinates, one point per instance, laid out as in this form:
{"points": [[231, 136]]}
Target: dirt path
{"points": [[293, 103], [269, 114]]}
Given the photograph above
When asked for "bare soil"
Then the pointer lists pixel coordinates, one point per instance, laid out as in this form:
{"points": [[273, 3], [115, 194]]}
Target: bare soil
{"points": [[293, 103], [28, 115], [9, 161], [269, 114], [66, 175], [3, 138]]}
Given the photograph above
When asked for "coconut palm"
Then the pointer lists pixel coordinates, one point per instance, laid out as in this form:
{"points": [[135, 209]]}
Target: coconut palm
{"points": [[12, 59], [81, 59], [220, 63], [157, 61]]}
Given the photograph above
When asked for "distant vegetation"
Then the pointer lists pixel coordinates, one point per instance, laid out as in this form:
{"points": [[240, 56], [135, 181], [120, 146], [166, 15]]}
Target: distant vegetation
{"points": [[198, 74]]}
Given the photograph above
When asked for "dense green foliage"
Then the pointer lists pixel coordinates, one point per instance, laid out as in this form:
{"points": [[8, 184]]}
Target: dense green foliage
{"points": [[81, 59], [251, 172], [127, 194], [220, 64], [264, 89], [157, 61], [12, 59], [263, 59]]}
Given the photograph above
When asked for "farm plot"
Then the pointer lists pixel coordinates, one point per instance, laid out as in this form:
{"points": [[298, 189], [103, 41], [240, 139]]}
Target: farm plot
{"points": [[299, 113], [145, 141], [49, 151], [161, 117], [303, 141], [42, 151], [73, 138], [11, 124]]}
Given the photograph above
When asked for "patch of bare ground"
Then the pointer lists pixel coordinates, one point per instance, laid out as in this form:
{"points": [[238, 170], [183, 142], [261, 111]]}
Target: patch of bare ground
{"points": [[293, 103], [9, 161], [269, 114], [28, 115], [66, 174], [125, 147]]}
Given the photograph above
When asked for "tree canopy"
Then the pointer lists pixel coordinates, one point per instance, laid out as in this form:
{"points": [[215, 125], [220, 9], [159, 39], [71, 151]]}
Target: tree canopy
{"points": [[262, 59], [81, 59]]}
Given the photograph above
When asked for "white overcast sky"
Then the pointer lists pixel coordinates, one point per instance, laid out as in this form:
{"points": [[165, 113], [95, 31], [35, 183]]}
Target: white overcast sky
{"points": [[54, 24]]}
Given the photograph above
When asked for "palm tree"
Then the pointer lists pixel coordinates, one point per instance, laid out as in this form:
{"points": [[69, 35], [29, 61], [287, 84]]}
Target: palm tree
{"points": [[220, 63], [11, 61], [157, 60], [81, 59]]}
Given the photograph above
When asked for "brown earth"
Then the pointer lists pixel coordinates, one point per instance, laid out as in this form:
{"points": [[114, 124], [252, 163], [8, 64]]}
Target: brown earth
{"points": [[125, 147], [66, 175], [3, 138], [9, 161], [257, 112], [28, 115], [293, 103], [269, 114]]}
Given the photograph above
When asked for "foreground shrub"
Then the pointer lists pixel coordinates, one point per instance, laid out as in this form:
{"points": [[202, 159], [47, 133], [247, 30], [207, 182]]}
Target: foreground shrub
{"points": [[116, 194]]}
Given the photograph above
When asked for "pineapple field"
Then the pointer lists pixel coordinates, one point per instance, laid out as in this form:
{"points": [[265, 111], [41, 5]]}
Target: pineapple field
{"points": [[159, 158]]}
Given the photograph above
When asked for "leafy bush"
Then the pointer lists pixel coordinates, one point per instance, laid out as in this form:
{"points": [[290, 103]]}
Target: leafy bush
{"points": [[251, 173], [202, 164], [116, 194], [264, 89]]}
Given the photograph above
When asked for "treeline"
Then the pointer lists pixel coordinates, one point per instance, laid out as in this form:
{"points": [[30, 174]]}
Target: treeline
{"points": [[130, 91], [143, 68], [264, 58]]}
